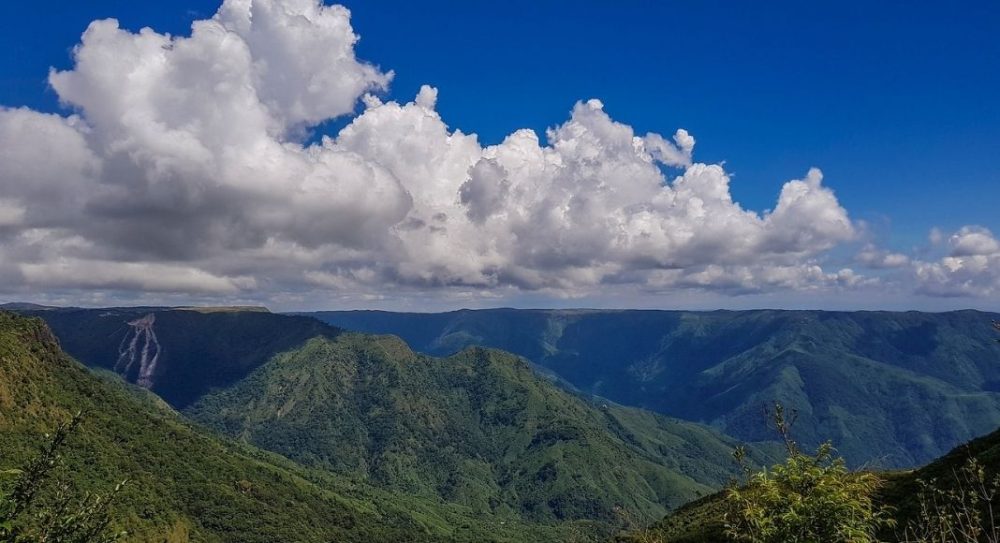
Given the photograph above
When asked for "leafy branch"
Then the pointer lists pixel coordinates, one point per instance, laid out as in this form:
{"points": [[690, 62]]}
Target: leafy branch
{"points": [[40, 509]]}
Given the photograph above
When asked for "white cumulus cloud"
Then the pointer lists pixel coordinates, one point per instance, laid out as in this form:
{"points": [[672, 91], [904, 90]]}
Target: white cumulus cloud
{"points": [[971, 268], [184, 166]]}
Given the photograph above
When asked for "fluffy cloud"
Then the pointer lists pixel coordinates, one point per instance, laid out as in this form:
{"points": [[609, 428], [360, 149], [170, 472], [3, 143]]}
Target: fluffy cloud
{"points": [[972, 267], [185, 168]]}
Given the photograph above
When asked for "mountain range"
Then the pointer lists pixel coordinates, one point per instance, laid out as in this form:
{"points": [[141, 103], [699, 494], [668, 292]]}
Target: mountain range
{"points": [[237, 424], [890, 389], [479, 433]]}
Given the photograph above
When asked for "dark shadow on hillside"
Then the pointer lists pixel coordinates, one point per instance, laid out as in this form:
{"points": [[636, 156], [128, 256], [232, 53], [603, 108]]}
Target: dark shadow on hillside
{"points": [[184, 354]]}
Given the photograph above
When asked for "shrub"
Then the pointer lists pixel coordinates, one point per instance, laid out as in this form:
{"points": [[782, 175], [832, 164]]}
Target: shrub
{"points": [[810, 498]]}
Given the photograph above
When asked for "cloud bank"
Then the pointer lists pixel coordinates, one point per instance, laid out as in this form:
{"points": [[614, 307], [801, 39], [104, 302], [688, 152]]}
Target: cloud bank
{"points": [[186, 167]]}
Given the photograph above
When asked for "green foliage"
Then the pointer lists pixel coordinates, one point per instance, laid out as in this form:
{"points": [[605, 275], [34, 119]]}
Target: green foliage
{"points": [[810, 498], [951, 500], [31, 511], [475, 446], [954, 499]]}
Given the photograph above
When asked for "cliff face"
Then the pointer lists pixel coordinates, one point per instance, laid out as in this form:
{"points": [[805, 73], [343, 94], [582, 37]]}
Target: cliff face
{"points": [[180, 354], [139, 352]]}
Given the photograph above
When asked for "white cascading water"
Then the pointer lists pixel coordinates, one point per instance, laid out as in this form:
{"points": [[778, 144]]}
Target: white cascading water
{"points": [[130, 353]]}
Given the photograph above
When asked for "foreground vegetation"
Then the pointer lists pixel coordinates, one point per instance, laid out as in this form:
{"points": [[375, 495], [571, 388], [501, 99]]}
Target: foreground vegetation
{"points": [[812, 498], [808, 498], [35, 508]]}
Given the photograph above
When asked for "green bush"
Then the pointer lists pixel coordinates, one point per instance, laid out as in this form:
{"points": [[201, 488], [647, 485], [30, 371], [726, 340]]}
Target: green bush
{"points": [[810, 498]]}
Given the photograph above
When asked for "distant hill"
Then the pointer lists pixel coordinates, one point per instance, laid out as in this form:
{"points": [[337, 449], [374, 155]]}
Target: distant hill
{"points": [[480, 429], [890, 389], [226, 309], [187, 485], [23, 306]]}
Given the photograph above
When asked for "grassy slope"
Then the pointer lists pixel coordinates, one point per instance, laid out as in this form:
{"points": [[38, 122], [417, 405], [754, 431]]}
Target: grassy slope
{"points": [[183, 481], [478, 428], [890, 389]]}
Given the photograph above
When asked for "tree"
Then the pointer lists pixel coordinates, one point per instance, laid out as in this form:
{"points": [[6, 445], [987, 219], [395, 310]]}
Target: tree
{"points": [[36, 508], [810, 498]]}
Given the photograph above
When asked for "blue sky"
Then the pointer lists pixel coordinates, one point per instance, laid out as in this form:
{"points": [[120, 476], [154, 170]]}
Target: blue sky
{"points": [[897, 102]]}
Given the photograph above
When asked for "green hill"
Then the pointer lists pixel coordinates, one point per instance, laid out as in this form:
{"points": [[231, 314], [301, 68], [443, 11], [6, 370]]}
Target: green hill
{"points": [[480, 429], [185, 484], [890, 389]]}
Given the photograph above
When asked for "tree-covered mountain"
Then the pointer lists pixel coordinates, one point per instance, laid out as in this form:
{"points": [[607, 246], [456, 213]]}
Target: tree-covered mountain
{"points": [[185, 484], [480, 428], [890, 389]]}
